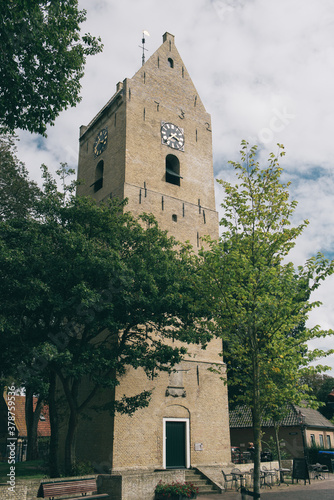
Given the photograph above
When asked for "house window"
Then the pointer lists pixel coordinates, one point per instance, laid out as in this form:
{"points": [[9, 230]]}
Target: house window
{"points": [[98, 176], [173, 170], [312, 436], [329, 444], [171, 62], [321, 440]]}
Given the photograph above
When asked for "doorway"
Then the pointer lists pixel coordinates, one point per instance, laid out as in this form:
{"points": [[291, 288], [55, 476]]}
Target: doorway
{"points": [[176, 443]]}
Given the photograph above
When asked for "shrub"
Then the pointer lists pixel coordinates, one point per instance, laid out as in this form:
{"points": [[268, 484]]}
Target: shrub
{"points": [[186, 489]]}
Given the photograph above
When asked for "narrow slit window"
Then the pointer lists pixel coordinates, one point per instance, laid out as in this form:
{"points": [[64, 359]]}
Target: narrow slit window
{"points": [[171, 62], [173, 170]]}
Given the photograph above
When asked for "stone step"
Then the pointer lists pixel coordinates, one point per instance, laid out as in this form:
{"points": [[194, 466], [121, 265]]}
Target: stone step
{"points": [[204, 485]]}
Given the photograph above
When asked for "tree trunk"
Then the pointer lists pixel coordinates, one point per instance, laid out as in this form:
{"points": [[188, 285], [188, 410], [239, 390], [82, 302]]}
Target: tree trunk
{"points": [[277, 445], [54, 440], [256, 411], [70, 442], [32, 418]]}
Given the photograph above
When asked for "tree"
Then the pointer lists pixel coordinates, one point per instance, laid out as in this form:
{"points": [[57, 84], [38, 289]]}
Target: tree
{"points": [[259, 301], [42, 58], [18, 198], [322, 385], [18, 193], [89, 291]]}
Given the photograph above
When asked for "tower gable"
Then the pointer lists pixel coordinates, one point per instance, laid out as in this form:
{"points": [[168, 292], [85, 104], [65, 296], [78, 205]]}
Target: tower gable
{"points": [[158, 149]]}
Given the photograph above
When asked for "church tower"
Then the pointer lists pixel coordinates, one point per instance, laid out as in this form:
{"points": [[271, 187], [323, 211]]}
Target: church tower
{"points": [[152, 144]]}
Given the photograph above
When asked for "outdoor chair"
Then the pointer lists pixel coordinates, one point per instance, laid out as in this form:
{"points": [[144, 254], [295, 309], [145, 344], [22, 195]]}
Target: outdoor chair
{"points": [[320, 471], [268, 474], [228, 478], [311, 471], [262, 476], [238, 476], [325, 470]]}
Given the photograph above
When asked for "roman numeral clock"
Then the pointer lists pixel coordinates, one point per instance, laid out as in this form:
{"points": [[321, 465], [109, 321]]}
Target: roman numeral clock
{"points": [[172, 136]]}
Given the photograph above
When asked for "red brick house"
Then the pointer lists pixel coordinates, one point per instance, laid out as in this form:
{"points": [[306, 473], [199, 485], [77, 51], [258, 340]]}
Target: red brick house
{"points": [[43, 430]]}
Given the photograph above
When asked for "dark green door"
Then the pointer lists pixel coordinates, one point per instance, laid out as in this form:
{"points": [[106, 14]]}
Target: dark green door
{"points": [[175, 444]]}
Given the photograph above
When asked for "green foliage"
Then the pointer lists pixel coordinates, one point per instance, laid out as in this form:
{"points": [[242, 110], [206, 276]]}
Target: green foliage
{"points": [[321, 386], [18, 193], [42, 59], [87, 292], [32, 469], [260, 302], [271, 446], [312, 453], [83, 468]]}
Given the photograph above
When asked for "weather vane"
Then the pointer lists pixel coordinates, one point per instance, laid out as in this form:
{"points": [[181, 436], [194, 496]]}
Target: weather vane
{"points": [[143, 46]]}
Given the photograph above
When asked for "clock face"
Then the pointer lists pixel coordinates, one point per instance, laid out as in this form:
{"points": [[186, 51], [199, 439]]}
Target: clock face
{"points": [[172, 136], [100, 143]]}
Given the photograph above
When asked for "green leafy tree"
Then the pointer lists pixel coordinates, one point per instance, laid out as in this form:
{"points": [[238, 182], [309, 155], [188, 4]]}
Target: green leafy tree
{"points": [[258, 300], [87, 292], [42, 59], [321, 385], [17, 201], [18, 193]]}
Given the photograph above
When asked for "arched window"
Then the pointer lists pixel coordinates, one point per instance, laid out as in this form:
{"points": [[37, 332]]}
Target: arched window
{"points": [[173, 170], [98, 176], [171, 62]]}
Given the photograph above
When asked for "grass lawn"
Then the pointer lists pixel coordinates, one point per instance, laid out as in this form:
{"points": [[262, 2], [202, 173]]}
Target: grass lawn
{"points": [[24, 470]]}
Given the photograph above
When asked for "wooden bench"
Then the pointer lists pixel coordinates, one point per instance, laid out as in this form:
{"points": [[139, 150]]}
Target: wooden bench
{"points": [[71, 487]]}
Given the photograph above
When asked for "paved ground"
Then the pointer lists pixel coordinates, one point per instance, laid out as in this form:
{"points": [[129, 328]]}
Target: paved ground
{"points": [[317, 490]]}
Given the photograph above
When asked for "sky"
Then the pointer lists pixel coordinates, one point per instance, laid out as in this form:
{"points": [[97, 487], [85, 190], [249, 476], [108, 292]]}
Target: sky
{"points": [[264, 69]]}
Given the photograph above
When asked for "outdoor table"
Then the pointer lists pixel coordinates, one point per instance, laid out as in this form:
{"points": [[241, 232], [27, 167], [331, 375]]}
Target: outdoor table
{"points": [[266, 475], [318, 470], [283, 471], [238, 476]]}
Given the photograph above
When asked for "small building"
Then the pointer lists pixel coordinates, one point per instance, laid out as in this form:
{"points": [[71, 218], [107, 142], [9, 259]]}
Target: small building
{"points": [[43, 429], [301, 427]]}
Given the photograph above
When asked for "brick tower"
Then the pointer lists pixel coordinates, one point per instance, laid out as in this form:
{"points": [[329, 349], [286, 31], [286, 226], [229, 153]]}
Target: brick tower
{"points": [[152, 143]]}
